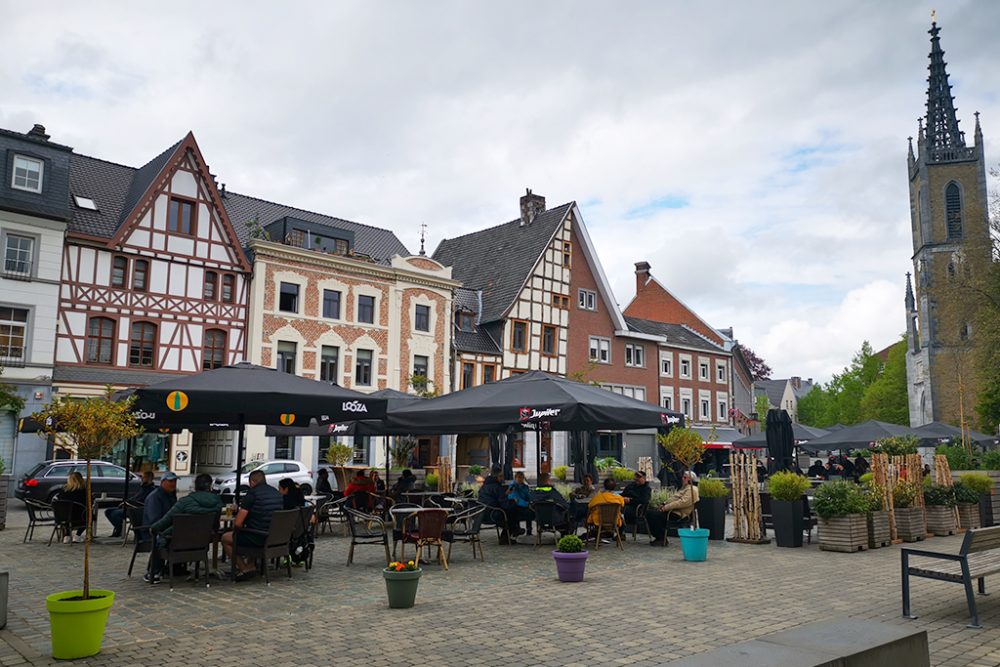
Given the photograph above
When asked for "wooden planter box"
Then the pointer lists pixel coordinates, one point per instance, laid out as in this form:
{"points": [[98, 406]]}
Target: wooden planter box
{"points": [[968, 516], [994, 496], [878, 530], [940, 520], [910, 524], [844, 533]]}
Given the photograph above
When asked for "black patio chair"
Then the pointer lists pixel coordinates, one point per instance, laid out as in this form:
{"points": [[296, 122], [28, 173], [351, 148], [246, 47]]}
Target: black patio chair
{"points": [[809, 520], [67, 516], [303, 538], [39, 514], [366, 529], [127, 526], [673, 523], [549, 518], [497, 518], [465, 528], [766, 517], [143, 538], [277, 539], [190, 540]]}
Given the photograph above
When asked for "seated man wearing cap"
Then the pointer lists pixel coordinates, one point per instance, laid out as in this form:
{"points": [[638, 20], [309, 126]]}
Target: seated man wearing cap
{"points": [[636, 494], [678, 507], [158, 503]]}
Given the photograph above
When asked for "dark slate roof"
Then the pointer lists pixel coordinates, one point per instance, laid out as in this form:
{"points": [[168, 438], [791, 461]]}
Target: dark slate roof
{"points": [[477, 342], [144, 177], [677, 334], [774, 389], [113, 376], [107, 184], [467, 299], [804, 389], [379, 244], [498, 260]]}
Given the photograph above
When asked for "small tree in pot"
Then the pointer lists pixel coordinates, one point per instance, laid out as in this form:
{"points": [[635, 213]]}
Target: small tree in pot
{"points": [[786, 489], [967, 501], [712, 497], [940, 507], [571, 558], [338, 456], [909, 517], [843, 524], [91, 427]]}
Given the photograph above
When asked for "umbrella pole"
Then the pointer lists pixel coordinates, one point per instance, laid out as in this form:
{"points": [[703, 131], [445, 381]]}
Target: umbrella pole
{"points": [[386, 440], [538, 451], [128, 466], [240, 445]]}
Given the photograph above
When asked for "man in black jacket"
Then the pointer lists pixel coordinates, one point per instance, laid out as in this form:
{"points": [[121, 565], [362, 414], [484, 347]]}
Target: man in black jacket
{"points": [[116, 515], [546, 493], [493, 494], [158, 503], [636, 494]]}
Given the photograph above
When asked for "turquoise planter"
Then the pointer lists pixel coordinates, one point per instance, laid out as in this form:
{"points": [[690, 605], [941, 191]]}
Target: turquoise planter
{"points": [[694, 543]]}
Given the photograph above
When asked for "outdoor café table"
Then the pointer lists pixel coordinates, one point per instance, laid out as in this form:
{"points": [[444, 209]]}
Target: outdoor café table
{"points": [[102, 502], [421, 496]]}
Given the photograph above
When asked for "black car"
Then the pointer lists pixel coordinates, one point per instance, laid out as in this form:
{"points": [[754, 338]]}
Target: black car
{"points": [[44, 480]]}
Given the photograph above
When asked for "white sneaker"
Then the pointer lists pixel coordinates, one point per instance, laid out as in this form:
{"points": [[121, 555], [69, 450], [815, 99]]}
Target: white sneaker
{"points": [[67, 539], [79, 538]]}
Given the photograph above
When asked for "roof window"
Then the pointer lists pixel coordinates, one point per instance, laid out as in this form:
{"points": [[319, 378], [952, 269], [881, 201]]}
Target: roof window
{"points": [[85, 202]]}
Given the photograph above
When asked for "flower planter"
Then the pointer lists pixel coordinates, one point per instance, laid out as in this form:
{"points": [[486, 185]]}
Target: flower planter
{"points": [[786, 517], [986, 510], [4, 490], [879, 534], [401, 587], [910, 524], [968, 515], [844, 533], [712, 515], [570, 565], [78, 625], [940, 519], [694, 543]]}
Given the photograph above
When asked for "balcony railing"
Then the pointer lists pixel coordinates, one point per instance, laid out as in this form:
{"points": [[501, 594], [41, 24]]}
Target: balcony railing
{"points": [[17, 269], [12, 357], [956, 154]]}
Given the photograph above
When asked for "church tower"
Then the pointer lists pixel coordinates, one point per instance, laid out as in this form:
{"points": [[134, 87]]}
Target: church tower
{"points": [[951, 245]]}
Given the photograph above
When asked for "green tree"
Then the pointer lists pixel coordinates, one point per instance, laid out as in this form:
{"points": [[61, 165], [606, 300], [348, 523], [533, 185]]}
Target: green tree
{"points": [[847, 388], [816, 407], [886, 399], [762, 405], [986, 356]]}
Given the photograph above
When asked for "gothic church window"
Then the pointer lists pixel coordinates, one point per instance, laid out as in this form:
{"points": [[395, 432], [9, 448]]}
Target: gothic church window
{"points": [[953, 210]]}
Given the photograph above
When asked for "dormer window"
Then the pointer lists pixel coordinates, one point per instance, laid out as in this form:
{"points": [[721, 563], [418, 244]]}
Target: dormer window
{"points": [[466, 321], [181, 217], [27, 174]]}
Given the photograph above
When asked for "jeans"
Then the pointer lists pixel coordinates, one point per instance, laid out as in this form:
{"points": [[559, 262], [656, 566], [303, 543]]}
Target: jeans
{"points": [[116, 515]]}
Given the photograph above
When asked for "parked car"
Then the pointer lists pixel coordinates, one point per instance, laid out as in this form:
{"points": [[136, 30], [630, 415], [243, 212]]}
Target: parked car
{"points": [[274, 471], [44, 480]]}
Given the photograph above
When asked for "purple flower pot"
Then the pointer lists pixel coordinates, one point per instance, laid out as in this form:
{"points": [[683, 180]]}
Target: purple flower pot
{"points": [[570, 566]]}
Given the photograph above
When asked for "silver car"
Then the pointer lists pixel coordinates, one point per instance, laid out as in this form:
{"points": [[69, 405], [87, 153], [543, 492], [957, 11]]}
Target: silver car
{"points": [[274, 471]]}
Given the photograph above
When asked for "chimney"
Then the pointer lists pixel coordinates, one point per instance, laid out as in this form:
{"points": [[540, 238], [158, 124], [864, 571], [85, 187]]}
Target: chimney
{"points": [[796, 381], [39, 132], [641, 275], [531, 206]]}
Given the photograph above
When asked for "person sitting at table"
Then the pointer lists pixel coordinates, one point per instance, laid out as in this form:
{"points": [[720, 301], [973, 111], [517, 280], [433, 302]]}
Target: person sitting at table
{"points": [[377, 481], [116, 515], [493, 495], [519, 494], [403, 485], [579, 497], [199, 501], [361, 483], [75, 491], [323, 482], [817, 469], [256, 508], [546, 493], [636, 494], [678, 506], [157, 504], [291, 495], [861, 465], [604, 497]]}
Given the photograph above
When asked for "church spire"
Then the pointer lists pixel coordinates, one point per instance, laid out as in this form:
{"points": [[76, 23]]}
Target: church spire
{"points": [[942, 123], [910, 301]]}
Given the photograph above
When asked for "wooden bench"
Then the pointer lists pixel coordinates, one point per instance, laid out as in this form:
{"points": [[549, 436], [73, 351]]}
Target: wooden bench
{"points": [[978, 557]]}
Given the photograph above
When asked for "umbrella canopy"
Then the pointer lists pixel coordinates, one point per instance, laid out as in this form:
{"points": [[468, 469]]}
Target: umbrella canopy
{"points": [[394, 400], [932, 432], [859, 436], [780, 441], [249, 394], [526, 401], [800, 432]]}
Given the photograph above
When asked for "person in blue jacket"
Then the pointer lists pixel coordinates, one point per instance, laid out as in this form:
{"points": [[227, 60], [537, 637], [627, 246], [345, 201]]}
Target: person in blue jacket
{"points": [[519, 494]]}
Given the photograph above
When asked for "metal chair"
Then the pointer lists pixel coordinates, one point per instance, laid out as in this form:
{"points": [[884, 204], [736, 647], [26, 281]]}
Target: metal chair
{"points": [[399, 521], [67, 516], [674, 521], [304, 529], [429, 533], [640, 516], [127, 526], [39, 514], [608, 516], [277, 539], [143, 539], [189, 542], [548, 519], [366, 529], [465, 528], [497, 518]]}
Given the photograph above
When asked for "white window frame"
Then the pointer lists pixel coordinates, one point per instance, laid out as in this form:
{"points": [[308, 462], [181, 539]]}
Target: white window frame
{"points": [[586, 299], [602, 346], [666, 365], [41, 173], [705, 409], [30, 260], [685, 361], [635, 355], [12, 324], [720, 372], [703, 370], [667, 401], [722, 403], [686, 406]]}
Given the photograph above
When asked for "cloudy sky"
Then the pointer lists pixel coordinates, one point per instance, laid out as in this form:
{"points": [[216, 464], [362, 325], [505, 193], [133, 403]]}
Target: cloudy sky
{"points": [[753, 152]]}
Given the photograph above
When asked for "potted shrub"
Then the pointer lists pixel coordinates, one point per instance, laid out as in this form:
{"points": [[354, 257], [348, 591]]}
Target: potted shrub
{"points": [[687, 446], [786, 489], [571, 558], [401, 580], [475, 474], [712, 497], [431, 481], [842, 510], [337, 456], [90, 427], [910, 523], [967, 502], [879, 532], [982, 485], [561, 473], [939, 502]]}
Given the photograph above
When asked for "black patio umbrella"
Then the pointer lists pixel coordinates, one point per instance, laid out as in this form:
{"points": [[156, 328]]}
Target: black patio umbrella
{"points": [[859, 436], [930, 434], [233, 396], [800, 432], [527, 401], [780, 440], [494, 449]]}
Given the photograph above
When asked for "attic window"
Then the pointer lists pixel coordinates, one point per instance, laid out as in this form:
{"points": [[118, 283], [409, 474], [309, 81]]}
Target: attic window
{"points": [[85, 202]]}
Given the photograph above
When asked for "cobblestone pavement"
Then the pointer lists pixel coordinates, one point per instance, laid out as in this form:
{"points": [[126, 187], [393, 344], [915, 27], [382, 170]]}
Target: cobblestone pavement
{"points": [[645, 606]]}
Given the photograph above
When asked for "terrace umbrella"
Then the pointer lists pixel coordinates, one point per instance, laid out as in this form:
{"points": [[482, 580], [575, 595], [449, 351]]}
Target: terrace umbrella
{"points": [[933, 432], [800, 432], [233, 396], [780, 441], [524, 402], [494, 449], [859, 436]]}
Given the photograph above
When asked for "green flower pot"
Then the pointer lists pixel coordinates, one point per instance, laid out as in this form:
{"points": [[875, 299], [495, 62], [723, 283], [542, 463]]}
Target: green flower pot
{"points": [[78, 625], [401, 587]]}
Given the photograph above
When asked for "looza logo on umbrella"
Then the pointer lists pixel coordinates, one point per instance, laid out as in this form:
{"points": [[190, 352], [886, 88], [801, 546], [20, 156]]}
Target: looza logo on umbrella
{"points": [[177, 400], [355, 406], [529, 414]]}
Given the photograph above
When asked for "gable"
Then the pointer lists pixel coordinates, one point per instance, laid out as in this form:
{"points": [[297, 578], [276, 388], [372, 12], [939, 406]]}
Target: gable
{"points": [[654, 302]]}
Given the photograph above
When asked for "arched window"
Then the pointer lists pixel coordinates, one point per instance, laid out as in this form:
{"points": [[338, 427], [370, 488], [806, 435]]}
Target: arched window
{"points": [[214, 349], [953, 210], [142, 345], [100, 340]]}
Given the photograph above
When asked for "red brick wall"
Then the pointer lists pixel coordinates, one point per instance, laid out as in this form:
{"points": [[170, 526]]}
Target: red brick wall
{"points": [[652, 302]]}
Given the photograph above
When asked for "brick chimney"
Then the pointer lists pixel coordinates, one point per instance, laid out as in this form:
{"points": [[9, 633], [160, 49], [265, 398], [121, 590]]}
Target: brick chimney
{"points": [[39, 132], [531, 206], [796, 381], [641, 275]]}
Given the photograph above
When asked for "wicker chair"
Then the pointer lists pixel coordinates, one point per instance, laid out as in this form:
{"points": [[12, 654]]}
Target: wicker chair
{"points": [[304, 527], [276, 541], [143, 540], [39, 514], [190, 540], [67, 516], [549, 517], [429, 533], [127, 526], [366, 529], [465, 528], [608, 519], [400, 522]]}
